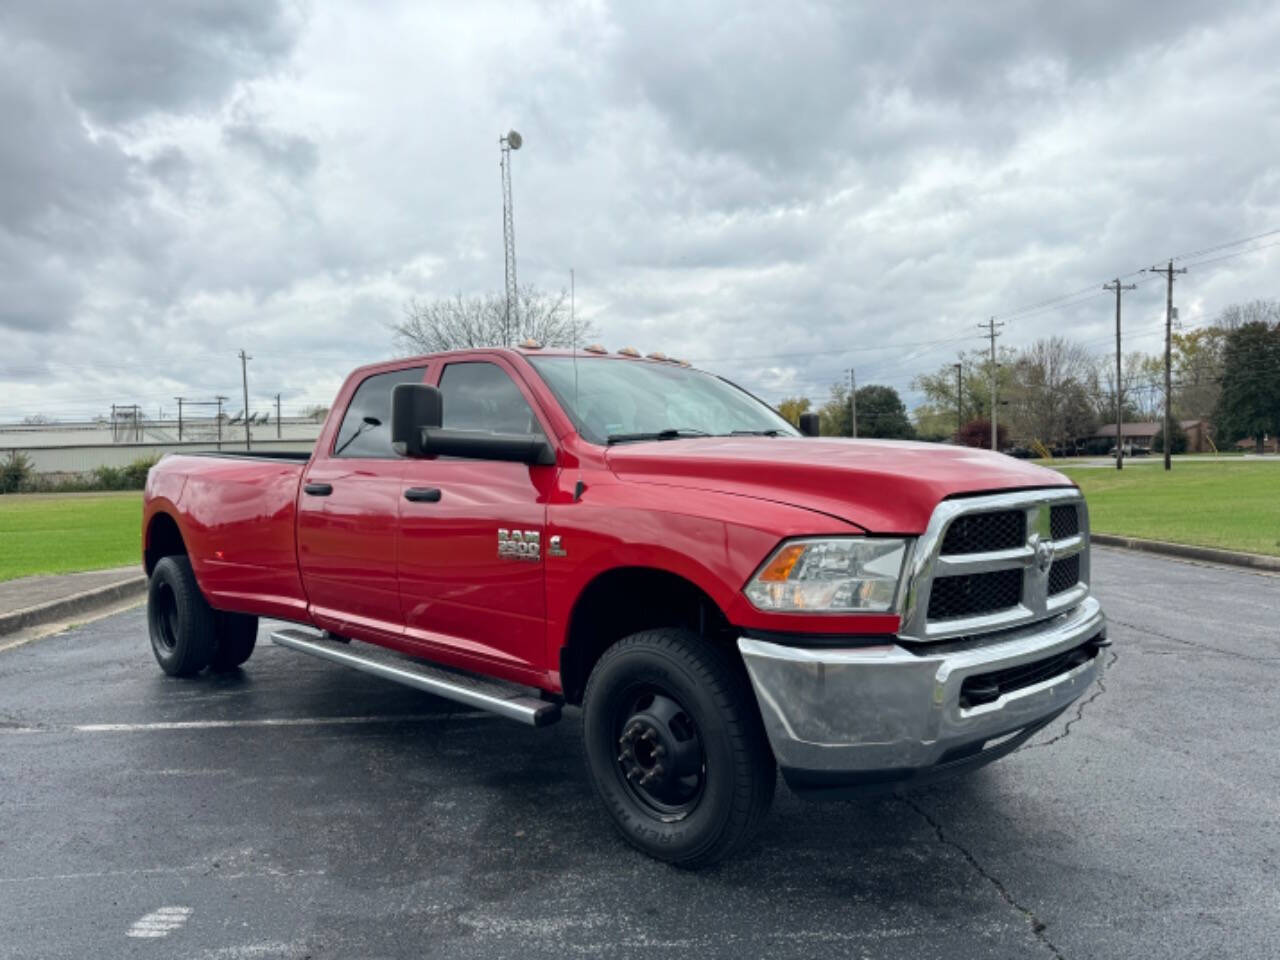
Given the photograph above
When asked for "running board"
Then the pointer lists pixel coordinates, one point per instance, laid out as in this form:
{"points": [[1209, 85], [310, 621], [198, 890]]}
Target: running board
{"points": [[504, 699]]}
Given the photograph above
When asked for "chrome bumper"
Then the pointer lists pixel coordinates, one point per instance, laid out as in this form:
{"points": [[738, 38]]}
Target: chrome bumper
{"points": [[865, 716]]}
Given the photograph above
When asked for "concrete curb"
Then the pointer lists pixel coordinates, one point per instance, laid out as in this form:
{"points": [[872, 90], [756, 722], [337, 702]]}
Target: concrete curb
{"points": [[65, 607], [1234, 558]]}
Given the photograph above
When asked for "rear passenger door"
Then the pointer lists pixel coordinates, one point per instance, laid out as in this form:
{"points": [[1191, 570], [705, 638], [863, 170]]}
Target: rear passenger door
{"points": [[462, 598], [348, 509]]}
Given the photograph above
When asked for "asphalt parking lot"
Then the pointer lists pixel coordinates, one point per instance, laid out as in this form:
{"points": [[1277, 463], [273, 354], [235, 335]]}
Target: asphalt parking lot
{"points": [[299, 809]]}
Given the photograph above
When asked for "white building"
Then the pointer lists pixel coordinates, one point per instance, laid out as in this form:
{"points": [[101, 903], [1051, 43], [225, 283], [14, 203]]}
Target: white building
{"points": [[79, 447]]}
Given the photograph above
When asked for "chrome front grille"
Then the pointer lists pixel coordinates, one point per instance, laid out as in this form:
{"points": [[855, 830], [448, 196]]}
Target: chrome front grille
{"points": [[1064, 574], [972, 593], [982, 532], [997, 561]]}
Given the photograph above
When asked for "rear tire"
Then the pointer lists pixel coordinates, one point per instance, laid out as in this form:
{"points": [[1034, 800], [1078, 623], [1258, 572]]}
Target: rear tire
{"points": [[237, 633], [675, 746], [181, 622]]}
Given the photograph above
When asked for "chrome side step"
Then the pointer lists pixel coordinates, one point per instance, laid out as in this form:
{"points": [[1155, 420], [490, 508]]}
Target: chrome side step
{"points": [[504, 699]]}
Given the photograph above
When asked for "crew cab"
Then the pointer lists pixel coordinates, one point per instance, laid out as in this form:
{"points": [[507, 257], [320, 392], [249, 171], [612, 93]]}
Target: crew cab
{"points": [[525, 530]]}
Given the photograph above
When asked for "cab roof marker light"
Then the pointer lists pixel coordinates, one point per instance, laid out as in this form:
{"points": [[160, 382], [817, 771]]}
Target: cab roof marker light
{"points": [[595, 348], [530, 344], [629, 352], [657, 355]]}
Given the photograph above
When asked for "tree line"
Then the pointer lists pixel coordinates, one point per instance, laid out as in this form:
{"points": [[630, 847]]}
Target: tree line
{"points": [[1058, 393]]}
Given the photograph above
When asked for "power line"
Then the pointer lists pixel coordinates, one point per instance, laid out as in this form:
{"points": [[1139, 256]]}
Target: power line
{"points": [[1224, 246]]}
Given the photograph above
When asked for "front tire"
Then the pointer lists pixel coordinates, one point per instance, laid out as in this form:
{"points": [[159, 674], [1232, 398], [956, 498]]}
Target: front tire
{"points": [[675, 746], [179, 619]]}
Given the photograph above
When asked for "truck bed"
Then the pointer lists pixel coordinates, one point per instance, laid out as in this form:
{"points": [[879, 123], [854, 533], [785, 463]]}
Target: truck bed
{"points": [[239, 510]]}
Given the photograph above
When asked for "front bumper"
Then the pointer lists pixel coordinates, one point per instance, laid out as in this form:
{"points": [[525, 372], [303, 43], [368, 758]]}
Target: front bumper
{"points": [[849, 720]]}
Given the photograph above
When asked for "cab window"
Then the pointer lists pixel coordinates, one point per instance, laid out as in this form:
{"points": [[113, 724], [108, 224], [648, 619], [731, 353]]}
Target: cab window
{"points": [[481, 396]]}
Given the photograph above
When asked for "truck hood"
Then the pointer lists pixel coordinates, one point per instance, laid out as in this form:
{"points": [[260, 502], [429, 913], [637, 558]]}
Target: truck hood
{"points": [[883, 486]]}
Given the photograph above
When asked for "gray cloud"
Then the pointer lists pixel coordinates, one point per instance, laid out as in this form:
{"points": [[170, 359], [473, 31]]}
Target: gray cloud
{"points": [[779, 190], [125, 59], [290, 153]]}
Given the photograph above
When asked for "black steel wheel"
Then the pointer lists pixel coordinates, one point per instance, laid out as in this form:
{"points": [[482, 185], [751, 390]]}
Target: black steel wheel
{"points": [[179, 619], [675, 746], [660, 753]]}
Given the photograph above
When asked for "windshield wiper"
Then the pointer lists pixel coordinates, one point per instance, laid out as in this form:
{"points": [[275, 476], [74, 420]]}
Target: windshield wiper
{"points": [[671, 433], [755, 433]]}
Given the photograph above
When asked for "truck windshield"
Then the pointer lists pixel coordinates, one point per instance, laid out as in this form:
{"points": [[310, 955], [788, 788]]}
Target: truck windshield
{"points": [[618, 401]]}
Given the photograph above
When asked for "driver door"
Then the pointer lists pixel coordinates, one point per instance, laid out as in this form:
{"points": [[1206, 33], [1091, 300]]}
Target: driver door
{"points": [[462, 596]]}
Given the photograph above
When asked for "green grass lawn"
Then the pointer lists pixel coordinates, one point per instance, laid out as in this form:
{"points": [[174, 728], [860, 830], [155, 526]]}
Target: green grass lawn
{"points": [[1235, 506], [62, 533]]}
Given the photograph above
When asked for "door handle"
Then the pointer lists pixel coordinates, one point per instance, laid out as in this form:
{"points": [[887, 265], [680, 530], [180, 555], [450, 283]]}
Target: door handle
{"points": [[423, 494], [318, 489]]}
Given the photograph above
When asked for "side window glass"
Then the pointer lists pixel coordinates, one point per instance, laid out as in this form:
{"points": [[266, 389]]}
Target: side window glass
{"points": [[372, 398], [480, 396]]}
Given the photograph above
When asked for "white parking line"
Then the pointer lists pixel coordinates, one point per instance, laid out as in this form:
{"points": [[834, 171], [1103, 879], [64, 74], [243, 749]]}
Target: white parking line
{"points": [[159, 923], [235, 724]]}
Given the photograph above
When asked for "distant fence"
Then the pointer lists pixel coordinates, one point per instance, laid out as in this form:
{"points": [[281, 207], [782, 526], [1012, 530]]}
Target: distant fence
{"points": [[80, 460]]}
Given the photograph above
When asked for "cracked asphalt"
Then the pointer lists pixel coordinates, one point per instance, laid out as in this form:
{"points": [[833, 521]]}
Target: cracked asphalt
{"points": [[302, 810]]}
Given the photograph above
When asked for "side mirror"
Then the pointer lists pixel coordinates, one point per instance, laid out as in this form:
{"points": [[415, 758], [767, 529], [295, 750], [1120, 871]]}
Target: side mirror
{"points": [[417, 412], [413, 406], [810, 424]]}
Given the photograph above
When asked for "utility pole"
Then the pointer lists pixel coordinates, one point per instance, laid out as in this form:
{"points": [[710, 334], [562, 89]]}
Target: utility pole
{"points": [[1168, 354], [959, 401], [992, 326], [277, 416], [113, 423], [179, 399], [1118, 287], [511, 141], [853, 404], [244, 379], [219, 400]]}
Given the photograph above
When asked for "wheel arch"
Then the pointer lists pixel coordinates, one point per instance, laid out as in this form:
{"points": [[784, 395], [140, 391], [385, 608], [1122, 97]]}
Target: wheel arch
{"points": [[163, 539], [624, 600]]}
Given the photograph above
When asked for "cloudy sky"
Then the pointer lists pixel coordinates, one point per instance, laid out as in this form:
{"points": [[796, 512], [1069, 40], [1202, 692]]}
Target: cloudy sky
{"points": [[778, 191]]}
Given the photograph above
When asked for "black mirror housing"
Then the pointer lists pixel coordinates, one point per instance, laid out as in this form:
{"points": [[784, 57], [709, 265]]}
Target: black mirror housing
{"points": [[810, 424], [529, 448], [413, 407]]}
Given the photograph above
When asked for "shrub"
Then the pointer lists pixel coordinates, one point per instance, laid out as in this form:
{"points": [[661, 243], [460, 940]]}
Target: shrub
{"points": [[135, 474], [108, 478], [977, 433], [15, 472]]}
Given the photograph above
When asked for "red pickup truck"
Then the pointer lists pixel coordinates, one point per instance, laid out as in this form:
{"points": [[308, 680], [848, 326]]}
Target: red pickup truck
{"points": [[720, 594]]}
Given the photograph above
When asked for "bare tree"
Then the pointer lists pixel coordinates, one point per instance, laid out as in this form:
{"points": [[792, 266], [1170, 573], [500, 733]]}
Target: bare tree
{"points": [[1137, 375], [1237, 315], [1051, 400], [457, 322]]}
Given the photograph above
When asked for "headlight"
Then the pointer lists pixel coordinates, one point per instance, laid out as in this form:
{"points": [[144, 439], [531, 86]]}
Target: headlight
{"points": [[830, 576]]}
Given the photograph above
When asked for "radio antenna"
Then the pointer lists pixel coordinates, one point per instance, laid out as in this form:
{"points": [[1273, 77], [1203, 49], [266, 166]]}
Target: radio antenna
{"points": [[573, 336]]}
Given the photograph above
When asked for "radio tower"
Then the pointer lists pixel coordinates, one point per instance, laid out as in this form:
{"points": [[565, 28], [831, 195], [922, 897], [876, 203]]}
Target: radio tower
{"points": [[506, 144]]}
